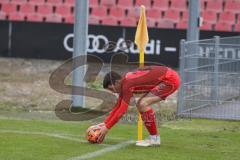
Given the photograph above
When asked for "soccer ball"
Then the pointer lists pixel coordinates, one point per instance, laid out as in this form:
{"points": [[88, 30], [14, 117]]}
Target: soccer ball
{"points": [[92, 134]]}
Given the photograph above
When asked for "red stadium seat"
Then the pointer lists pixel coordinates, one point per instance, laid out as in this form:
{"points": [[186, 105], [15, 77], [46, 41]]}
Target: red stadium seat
{"points": [[222, 26], [37, 2], [70, 2], [232, 6], [215, 5], [109, 21], [185, 16], [161, 4], [227, 17], [117, 12], [134, 13], [209, 16], [99, 11], [45, 9], [27, 8], [16, 16], [203, 4], [154, 13], [180, 5], [165, 24], [125, 3], [54, 18], [108, 3], [182, 25], [4, 1], [18, 1], [9, 8], [172, 15], [238, 20], [146, 3], [54, 2], [3, 15], [237, 27], [63, 9], [34, 17], [151, 22], [206, 26], [129, 22], [93, 20], [93, 3], [69, 19]]}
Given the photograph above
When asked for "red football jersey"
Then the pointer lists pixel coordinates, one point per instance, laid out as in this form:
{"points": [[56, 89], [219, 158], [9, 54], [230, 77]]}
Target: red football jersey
{"points": [[140, 81]]}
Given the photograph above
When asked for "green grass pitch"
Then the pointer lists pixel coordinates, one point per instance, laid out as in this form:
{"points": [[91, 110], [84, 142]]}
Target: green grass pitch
{"points": [[57, 140]]}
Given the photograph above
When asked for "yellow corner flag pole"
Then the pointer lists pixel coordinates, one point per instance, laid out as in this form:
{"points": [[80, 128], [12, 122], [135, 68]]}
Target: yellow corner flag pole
{"points": [[141, 40]]}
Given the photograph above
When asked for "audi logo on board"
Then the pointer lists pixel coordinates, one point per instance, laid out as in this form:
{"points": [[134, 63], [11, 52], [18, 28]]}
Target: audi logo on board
{"points": [[98, 43]]}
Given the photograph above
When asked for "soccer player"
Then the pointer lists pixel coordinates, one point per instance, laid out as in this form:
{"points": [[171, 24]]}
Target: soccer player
{"points": [[155, 83]]}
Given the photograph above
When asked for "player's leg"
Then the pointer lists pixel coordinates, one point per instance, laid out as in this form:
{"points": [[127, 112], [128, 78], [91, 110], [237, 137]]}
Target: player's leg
{"points": [[149, 119], [147, 113], [146, 100], [160, 92], [157, 94]]}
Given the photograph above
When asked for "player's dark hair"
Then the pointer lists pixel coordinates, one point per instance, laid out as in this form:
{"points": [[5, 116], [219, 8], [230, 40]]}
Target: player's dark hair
{"points": [[110, 78]]}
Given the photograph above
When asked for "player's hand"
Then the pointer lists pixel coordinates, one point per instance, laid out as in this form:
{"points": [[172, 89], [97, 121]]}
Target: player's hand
{"points": [[100, 125], [102, 134], [97, 126]]}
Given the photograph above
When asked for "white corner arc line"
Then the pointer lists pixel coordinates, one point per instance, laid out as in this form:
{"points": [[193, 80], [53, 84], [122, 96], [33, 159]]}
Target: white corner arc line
{"points": [[102, 151]]}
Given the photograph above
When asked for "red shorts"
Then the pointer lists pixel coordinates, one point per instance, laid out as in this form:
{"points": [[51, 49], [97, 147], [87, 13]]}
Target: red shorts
{"points": [[169, 84]]}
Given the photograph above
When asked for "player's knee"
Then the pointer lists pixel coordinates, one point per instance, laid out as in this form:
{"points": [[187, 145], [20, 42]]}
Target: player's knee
{"points": [[142, 105]]}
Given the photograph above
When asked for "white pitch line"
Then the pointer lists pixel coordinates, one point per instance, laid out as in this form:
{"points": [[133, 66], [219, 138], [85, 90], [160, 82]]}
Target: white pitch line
{"points": [[62, 134], [102, 151], [49, 135]]}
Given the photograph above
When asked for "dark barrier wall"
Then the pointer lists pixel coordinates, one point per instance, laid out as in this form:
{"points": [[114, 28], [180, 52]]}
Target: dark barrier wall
{"points": [[39, 40], [4, 38], [54, 41]]}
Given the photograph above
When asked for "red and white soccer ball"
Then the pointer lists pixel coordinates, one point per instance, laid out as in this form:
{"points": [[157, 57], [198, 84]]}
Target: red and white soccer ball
{"points": [[92, 134]]}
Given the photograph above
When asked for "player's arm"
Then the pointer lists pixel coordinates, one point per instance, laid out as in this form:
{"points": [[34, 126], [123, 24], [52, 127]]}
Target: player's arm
{"points": [[114, 110], [118, 111], [121, 106], [112, 119]]}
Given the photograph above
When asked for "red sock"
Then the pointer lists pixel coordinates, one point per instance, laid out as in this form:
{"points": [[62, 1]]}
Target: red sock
{"points": [[149, 120]]}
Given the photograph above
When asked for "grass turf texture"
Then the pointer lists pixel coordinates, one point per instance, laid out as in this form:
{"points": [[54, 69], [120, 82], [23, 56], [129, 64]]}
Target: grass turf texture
{"points": [[181, 140]]}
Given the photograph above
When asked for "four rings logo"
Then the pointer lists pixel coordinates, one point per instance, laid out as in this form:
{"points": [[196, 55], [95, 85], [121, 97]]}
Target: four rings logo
{"points": [[98, 43]]}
